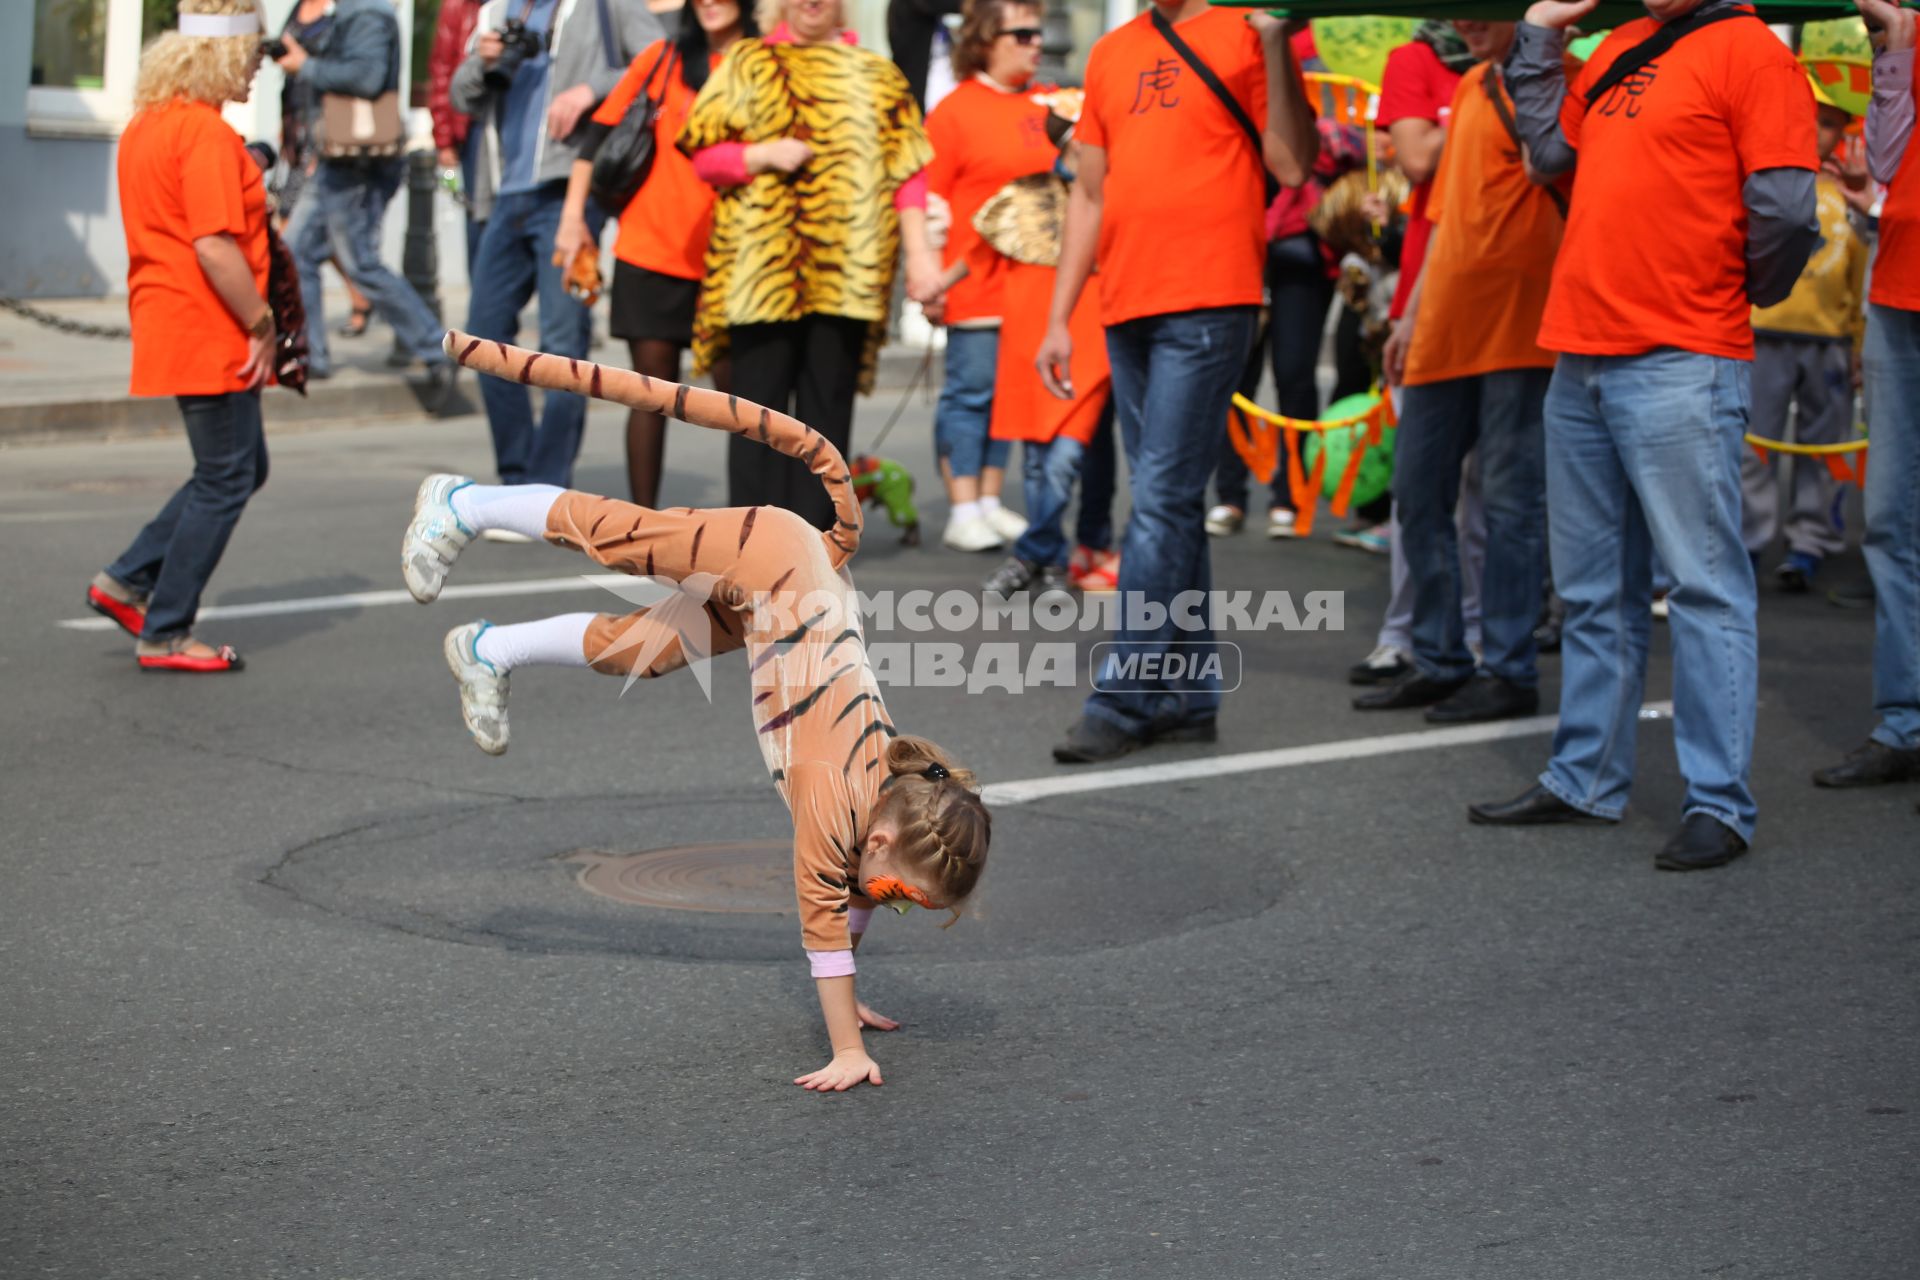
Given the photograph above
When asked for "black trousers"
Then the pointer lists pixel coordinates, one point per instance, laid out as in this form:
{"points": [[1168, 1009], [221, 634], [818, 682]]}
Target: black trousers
{"points": [[809, 368]]}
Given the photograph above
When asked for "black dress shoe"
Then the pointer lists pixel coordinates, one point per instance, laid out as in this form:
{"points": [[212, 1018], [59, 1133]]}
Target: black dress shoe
{"points": [[1410, 690], [1093, 740], [1485, 697], [1701, 843], [1871, 766], [1534, 807], [1378, 668]]}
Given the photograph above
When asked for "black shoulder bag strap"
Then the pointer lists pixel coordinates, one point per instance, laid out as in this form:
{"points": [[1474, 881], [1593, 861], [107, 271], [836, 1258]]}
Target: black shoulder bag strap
{"points": [[1271, 185], [1669, 34], [607, 46], [1496, 93]]}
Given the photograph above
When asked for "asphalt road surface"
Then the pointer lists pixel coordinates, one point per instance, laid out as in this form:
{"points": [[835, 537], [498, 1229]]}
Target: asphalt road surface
{"points": [[298, 983]]}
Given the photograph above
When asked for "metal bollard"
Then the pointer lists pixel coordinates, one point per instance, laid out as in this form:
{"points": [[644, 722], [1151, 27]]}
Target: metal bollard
{"points": [[420, 259]]}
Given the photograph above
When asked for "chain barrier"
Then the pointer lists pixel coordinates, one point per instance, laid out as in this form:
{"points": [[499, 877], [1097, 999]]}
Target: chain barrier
{"points": [[78, 328]]}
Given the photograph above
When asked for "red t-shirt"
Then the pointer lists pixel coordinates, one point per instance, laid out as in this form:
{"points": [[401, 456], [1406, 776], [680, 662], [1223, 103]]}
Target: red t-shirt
{"points": [[1655, 250], [1183, 222], [1896, 267], [184, 173], [666, 227], [983, 138], [1416, 85]]}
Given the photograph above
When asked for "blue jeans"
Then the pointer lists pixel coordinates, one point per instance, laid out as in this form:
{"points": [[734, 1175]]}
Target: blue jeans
{"points": [[1173, 377], [172, 558], [516, 260], [1643, 455], [1500, 414], [338, 216], [1093, 525], [965, 412], [1891, 359]]}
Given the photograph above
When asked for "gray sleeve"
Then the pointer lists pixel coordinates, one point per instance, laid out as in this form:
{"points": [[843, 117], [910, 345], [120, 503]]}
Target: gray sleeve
{"points": [[636, 28], [468, 88], [1536, 76], [1890, 113], [1782, 231]]}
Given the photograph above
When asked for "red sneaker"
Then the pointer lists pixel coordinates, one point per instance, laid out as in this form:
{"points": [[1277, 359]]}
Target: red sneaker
{"points": [[1094, 571], [130, 617]]}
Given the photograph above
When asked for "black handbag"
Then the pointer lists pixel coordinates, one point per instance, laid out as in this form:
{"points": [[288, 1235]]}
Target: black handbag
{"points": [[625, 158]]}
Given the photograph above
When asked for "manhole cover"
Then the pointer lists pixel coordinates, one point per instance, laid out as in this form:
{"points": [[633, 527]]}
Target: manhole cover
{"points": [[733, 876]]}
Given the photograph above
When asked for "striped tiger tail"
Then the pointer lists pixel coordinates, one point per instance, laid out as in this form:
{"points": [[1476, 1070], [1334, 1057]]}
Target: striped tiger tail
{"points": [[700, 406]]}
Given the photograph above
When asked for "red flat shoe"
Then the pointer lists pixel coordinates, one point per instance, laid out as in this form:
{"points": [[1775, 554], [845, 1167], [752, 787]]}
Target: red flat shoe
{"points": [[225, 660], [130, 618]]}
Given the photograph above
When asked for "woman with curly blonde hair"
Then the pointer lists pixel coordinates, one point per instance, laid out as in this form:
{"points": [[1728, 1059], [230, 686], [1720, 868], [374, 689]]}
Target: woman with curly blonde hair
{"points": [[195, 211]]}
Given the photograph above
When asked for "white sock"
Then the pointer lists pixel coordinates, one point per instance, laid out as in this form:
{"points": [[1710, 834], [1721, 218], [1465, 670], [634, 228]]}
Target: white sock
{"points": [[550, 642], [989, 503], [965, 511], [518, 508]]}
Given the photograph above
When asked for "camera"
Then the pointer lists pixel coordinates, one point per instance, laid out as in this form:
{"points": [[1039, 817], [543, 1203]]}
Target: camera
{"points": [[518, 44], [274, 47]]}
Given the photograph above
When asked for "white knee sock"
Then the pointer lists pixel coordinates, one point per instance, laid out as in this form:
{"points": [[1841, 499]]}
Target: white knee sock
{"points": [[989, 503], [965, 511], [518, 508], [550, 642]]}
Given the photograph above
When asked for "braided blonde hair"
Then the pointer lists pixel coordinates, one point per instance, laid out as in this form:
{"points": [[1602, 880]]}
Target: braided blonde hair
{"points": [[944, 827], [209, 69]]}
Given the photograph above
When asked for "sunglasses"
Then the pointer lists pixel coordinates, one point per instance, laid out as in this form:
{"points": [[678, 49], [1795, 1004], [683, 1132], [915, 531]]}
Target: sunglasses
{"points": [[1024, 35]]}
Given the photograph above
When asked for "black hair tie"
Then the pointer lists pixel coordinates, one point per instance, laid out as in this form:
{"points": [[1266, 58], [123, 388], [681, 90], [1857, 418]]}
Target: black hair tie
{"points": [[937, 772]]}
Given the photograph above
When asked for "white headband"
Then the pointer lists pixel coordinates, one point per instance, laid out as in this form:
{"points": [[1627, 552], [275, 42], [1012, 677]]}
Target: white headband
{"points": [[220, 24]]}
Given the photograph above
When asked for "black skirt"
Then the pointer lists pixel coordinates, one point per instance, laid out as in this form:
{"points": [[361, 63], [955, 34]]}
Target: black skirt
{"points": [[647, 305]]}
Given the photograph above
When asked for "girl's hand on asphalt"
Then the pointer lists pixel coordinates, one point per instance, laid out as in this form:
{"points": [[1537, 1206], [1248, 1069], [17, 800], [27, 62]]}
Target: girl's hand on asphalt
{"points": [[848, 1068], [875, 1021]]}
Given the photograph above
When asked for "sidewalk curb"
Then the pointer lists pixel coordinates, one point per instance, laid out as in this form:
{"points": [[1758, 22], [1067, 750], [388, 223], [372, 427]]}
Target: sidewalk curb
{"points": [[352, 397]]}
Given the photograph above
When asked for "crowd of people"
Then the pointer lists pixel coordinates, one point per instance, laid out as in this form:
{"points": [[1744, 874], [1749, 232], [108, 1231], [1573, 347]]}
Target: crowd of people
{"points": [[1111, 264]]}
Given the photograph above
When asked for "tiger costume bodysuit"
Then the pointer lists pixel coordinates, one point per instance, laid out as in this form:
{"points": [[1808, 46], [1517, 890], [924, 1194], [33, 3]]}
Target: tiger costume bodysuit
{"points": [[758, 578], [824, 240]]}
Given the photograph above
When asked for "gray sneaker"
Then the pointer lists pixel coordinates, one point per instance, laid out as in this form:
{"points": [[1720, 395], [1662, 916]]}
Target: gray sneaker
{"points": [[1051, 580], [435, 537], [1011, 578], [483, 688]]}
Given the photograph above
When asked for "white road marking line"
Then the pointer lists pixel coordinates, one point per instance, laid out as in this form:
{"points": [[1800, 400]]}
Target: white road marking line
{"points": [[1021, 792], [632, 590]]}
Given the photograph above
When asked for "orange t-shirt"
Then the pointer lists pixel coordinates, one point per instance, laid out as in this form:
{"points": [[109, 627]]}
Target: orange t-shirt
{"points": [[983, 138], [666, 227], [1183, 222], [184, 173], [1655, 250], [1490, 261], [1896, 266]]}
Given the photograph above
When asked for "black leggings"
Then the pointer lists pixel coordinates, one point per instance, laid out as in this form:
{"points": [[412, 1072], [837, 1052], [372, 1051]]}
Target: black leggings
{"points": [[810, 368]]}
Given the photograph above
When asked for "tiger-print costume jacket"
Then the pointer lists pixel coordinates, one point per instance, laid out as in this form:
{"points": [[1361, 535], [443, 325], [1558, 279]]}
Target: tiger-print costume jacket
{"points": [[825, 240]]}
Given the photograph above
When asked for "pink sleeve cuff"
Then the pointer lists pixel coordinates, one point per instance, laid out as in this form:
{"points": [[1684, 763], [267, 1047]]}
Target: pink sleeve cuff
{"points": [[857, 918], [722, 165], [831, 964], [912, 193]]}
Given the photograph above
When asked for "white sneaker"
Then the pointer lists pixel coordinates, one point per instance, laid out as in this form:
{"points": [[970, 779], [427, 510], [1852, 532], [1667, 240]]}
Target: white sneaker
{"points": [[1280, 523], [504, 535], [972, 535], [1008, 524], [483, 688], [435, 538], [1224, 521]]}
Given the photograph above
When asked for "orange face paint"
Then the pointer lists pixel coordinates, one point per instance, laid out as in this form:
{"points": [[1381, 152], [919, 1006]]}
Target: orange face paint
{"points": [[895, 894]]}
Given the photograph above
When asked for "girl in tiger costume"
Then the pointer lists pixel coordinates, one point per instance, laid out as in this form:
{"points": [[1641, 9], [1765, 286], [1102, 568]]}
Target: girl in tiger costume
{"points": [[878, 817]]}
